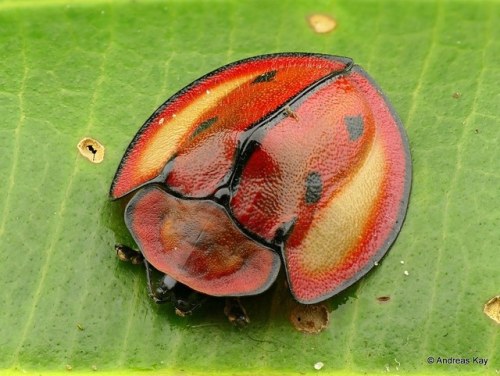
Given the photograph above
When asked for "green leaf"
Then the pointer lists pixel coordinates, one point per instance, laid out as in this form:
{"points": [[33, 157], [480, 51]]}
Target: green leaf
{"points": [[98, 69]]}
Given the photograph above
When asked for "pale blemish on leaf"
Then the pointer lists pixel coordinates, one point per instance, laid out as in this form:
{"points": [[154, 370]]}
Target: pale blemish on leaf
{"points": [[91, 149], [310, 318], [321, 23], [492, 309], [318, 366]]}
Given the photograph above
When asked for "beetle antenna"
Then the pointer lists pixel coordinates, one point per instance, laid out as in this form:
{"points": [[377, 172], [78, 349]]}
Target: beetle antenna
{"points": [[148, 277]]}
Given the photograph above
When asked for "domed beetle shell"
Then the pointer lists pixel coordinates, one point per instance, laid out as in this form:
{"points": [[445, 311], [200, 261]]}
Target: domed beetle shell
{"points": [[292, 156]]}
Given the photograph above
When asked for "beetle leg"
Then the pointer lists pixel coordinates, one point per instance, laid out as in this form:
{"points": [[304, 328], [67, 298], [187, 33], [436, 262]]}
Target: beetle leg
{"points": [[162, 293], [235, 312], [183, 298], [128, 254], [186, 300]]}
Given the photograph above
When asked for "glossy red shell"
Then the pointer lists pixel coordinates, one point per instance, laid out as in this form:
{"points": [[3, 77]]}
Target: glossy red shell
{"points": [[292, 154]]}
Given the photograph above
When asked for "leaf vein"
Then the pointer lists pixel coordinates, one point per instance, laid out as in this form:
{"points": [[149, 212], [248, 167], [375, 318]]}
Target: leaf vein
{"points": [[451, 188], [61, 211], [17, 132]]}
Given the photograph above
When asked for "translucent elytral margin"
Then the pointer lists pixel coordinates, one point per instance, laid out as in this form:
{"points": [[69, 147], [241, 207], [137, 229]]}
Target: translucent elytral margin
{"points": [[123, 183]]}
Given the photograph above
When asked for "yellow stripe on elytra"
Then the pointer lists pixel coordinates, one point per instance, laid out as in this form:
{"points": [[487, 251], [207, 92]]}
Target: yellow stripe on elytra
{"points": [[164, 143], [341, 224]]}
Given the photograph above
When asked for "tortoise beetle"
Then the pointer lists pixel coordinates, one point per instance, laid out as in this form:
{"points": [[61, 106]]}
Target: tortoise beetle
{"points": [[293, 158]]}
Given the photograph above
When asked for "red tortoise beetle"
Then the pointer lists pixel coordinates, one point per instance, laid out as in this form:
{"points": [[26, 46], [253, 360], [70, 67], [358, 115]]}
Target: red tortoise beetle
{"points": [[290, 158]]}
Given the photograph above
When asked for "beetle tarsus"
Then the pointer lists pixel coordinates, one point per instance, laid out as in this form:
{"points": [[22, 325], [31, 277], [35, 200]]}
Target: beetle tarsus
{"points": [[128, 254], [236, 313]]}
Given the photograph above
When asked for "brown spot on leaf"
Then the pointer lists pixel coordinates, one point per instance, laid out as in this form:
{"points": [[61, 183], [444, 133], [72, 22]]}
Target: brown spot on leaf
{"points": [[91, 149], [384, 298], [310, 318], [321, 23], [492, 309], [456, 95]]}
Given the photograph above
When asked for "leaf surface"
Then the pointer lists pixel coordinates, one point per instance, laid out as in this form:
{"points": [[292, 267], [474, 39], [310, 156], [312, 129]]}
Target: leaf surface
{"points": [[70, 70]]}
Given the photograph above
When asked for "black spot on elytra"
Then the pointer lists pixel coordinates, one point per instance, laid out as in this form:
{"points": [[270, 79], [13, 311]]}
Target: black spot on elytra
{"points": [[265, 77], [204, 126], [314, 187], [355, 126]]}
